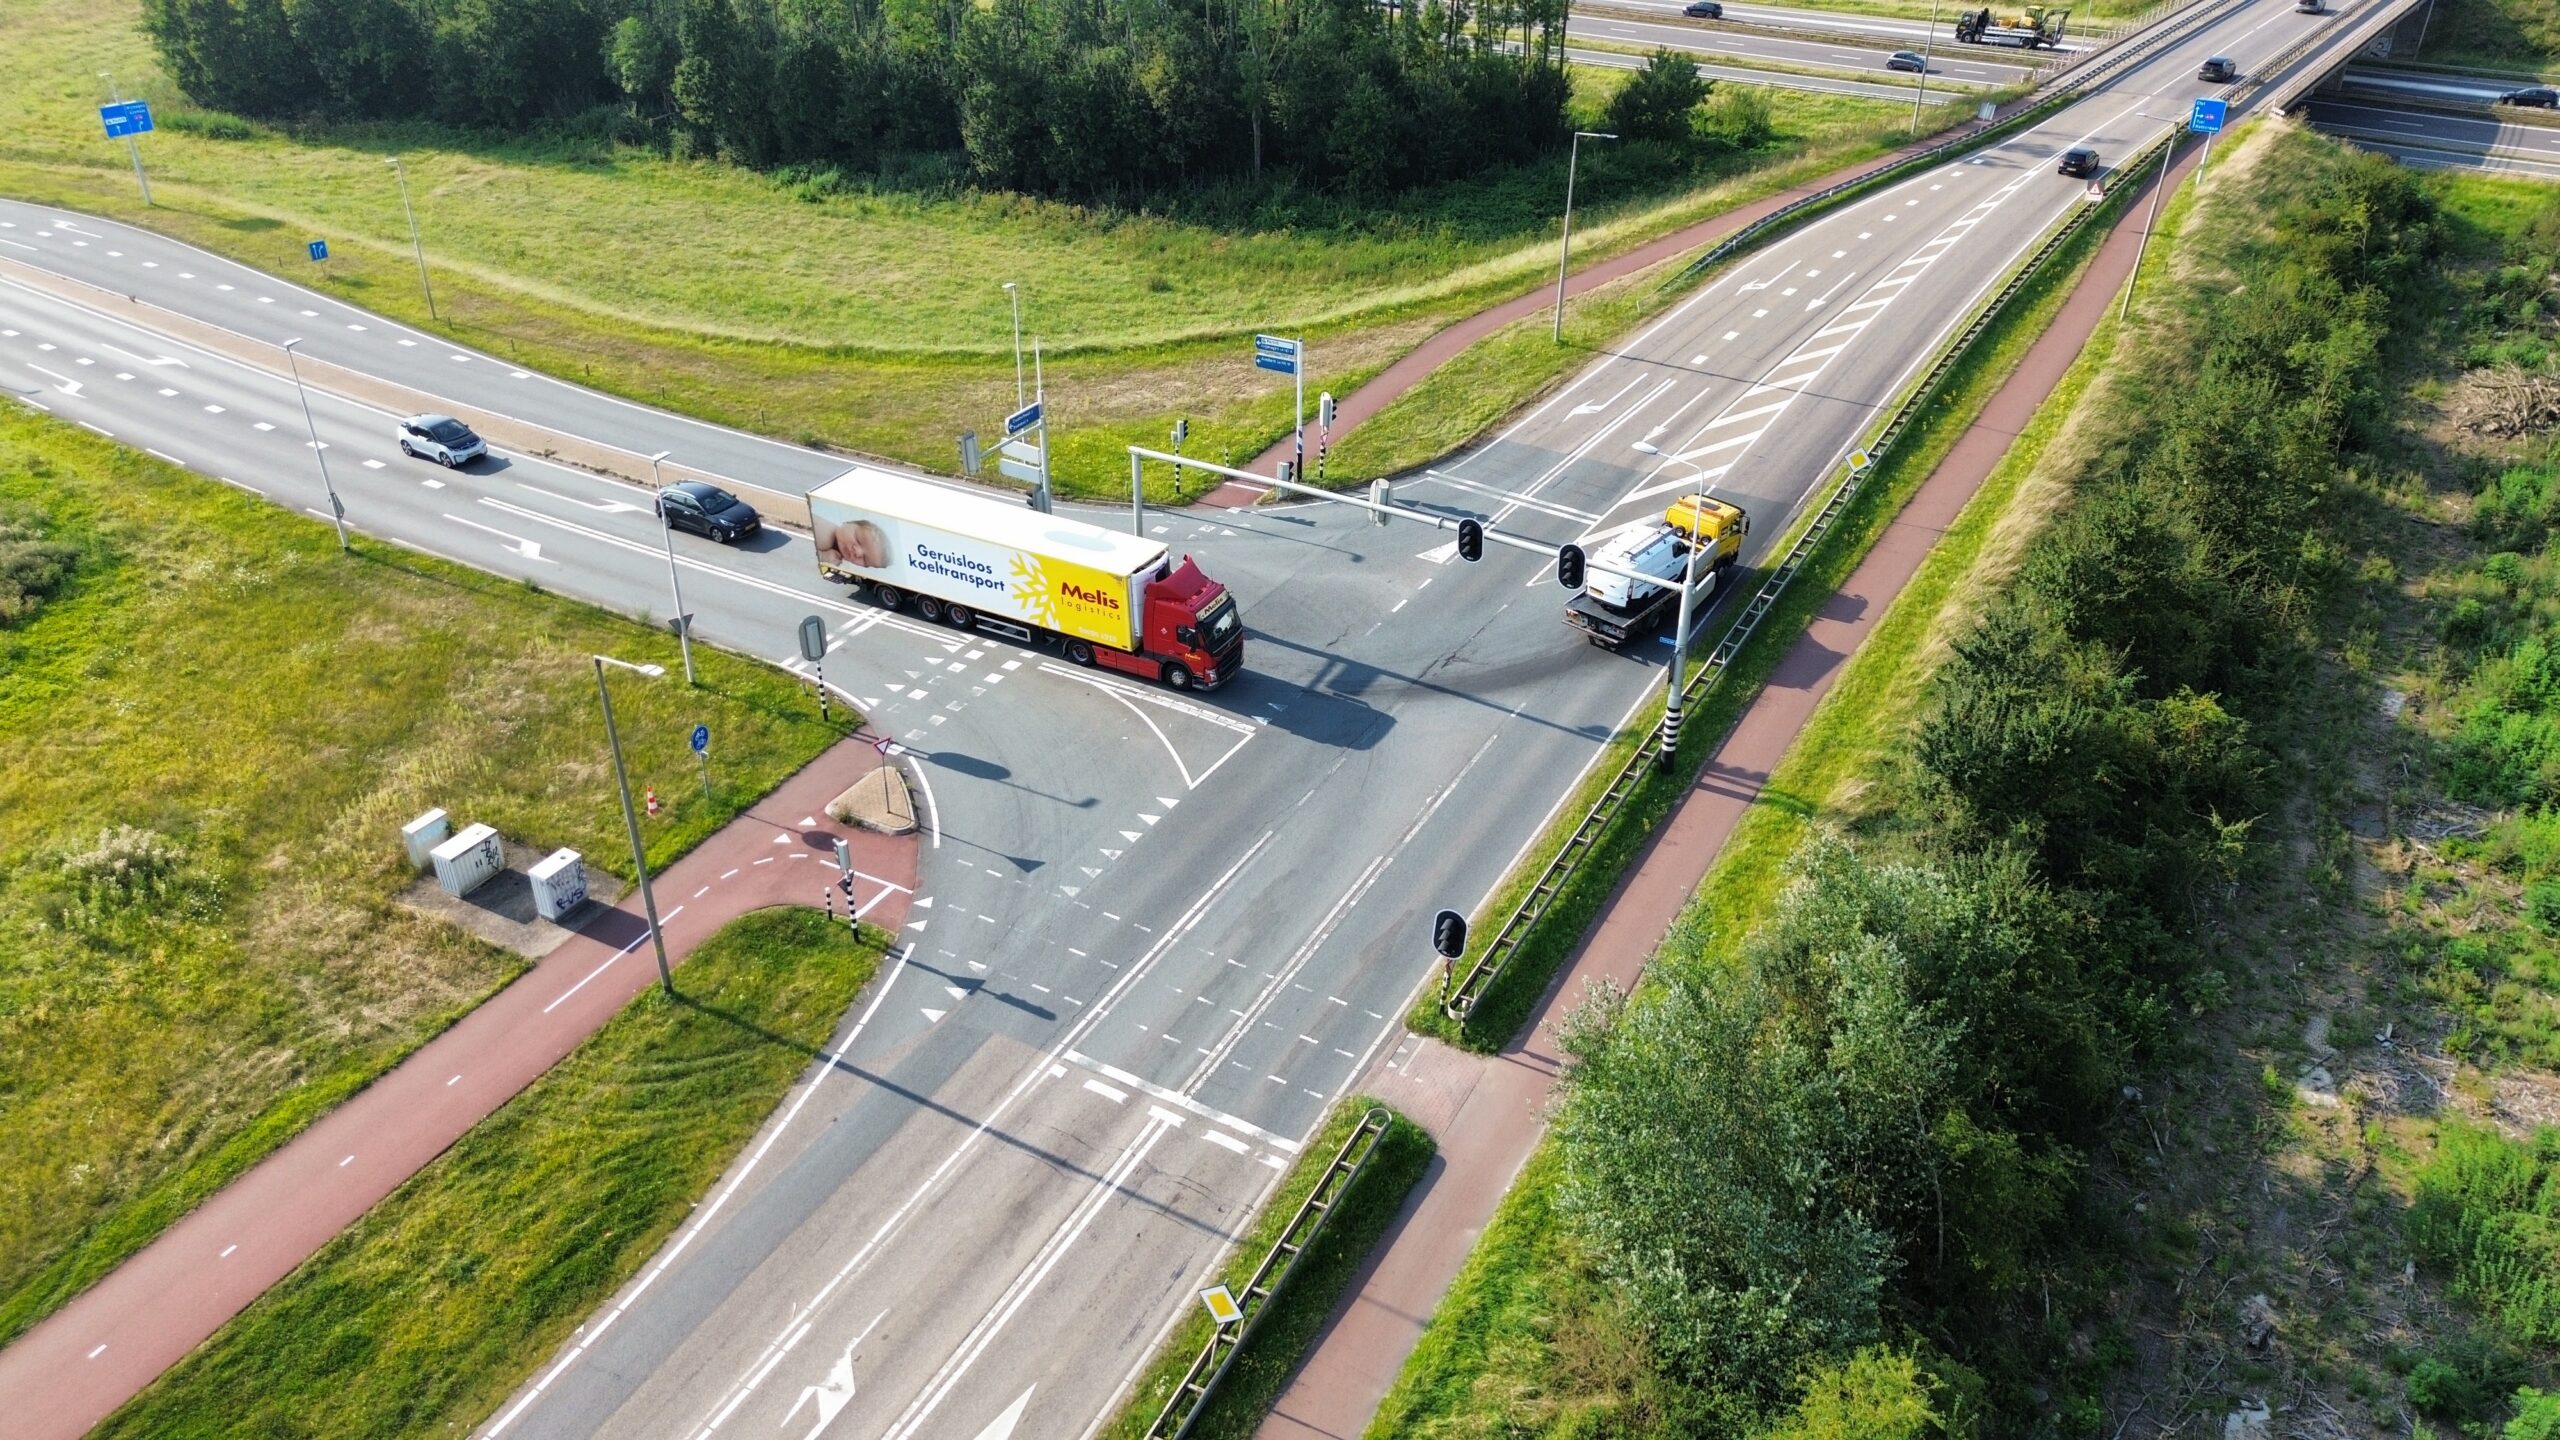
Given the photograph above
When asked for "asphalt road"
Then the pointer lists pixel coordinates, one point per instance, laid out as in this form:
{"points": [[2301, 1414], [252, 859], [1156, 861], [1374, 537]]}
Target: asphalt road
{"points": [[1154, 935], [2435, 140], [1949, 63], [1898, 89], [1900, 33]]}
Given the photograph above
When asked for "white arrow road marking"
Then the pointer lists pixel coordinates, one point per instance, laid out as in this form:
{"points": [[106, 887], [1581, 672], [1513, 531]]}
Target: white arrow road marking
{"points": [[1002, 1427], [526, 548], [68, 386], [837, 1393], [157, 360]]}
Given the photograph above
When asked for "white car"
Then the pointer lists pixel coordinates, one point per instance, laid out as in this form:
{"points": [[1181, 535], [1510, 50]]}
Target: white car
{"points": [[440, 438]]}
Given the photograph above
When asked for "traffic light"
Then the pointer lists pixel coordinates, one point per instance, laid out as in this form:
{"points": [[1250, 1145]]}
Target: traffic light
{"points": [[1569, 567], [1324, 410], [1449, 934], [1470, 540]]}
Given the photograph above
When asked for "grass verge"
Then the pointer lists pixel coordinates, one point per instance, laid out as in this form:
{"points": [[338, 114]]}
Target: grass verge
{"points": [[425, 1314], [247, 717], [1956, 401], [1298, 1311]]}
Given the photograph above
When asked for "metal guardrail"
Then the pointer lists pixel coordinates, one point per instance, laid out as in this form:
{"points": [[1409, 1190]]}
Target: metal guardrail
{"points": [[1201, 1380], [2133, 45], [1464, 994]]}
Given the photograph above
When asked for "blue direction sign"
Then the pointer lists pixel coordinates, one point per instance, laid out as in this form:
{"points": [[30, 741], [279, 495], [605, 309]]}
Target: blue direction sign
{"points": [[1022, 419], [701, 739], [319, 249], [2206, 118], [1270, 352], [126, 117]]}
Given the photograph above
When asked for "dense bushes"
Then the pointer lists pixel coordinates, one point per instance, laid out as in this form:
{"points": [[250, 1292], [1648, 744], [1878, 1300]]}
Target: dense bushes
{"points": [[2487, 1213], [1085, 98], [1871, 1123], [32, 566]]}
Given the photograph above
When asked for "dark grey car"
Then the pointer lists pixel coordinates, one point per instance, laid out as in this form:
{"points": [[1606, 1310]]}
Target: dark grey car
{"points": [[708, 510]]}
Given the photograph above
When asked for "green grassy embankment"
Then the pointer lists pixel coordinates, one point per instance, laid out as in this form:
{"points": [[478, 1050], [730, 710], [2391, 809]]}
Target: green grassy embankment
{"points": [[757, 299], [216, 725], [424, 1315]]}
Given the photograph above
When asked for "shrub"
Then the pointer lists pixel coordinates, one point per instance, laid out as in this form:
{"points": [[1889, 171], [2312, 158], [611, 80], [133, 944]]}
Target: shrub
{"points": [[31, 567], [2487, 1213]]}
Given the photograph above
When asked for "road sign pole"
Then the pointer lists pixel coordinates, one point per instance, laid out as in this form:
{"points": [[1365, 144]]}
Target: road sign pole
{"points": [[2205, 160], [1300, 376], [130, 146]]}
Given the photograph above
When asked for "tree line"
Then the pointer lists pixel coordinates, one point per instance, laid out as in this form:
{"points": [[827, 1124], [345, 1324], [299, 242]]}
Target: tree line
{"points": [[1094, 99], [1869, 1129]]}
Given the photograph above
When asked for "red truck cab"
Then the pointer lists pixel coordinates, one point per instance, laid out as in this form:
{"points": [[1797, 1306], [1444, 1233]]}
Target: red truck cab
{"points": [[1190, 636]]}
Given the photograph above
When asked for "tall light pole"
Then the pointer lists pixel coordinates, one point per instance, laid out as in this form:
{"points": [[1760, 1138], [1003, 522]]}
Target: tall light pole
{"points": [[630, 817], [2159, 188], [1665, 754], [1928, 44], [418, 247], [130, 147], [667, 532], [1564, 252], [337, 512], [1014, 293]]}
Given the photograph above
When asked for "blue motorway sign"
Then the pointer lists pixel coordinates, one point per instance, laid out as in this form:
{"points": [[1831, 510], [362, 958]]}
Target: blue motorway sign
{"points": [[701, 739], [2206, 117], [319, 249], [1022, 419], [126, 117], [1270, 352]]}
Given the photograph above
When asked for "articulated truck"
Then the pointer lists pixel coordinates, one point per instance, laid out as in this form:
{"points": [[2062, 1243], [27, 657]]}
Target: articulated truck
{"points": [[1613, 609], [2035, 26], [1110, 600]]}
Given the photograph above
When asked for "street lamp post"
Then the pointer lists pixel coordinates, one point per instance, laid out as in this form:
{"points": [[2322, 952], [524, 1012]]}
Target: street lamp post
{"points": [[631, 817], [337, 512], [1564, 252], [2159, 187], [1013, 292], [1665, 755], [667, 533], [1928, 45], [417, 247], [130, 147]]}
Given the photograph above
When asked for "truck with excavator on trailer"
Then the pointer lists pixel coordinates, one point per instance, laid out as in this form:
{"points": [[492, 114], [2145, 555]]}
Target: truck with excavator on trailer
{"points": [[2036, 26], [1614, 607], [1110, 600]]}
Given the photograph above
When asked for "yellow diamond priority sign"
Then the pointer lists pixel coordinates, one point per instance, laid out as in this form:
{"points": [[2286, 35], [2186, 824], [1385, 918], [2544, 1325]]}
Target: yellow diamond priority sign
{"points": [[1222, 1305]]}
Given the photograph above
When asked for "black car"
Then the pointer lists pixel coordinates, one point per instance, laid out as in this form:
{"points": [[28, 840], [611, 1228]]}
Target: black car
{"points": [[1703, 10], [2533, 97], [708, 510], [2078, 160], [2220, 68], [1906, 60]]}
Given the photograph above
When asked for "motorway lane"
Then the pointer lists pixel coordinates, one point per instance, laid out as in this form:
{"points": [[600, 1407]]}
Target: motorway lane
{"points": [[1950, 64], [1902, 33], [1411, 721], [1774, 79], [2426, 137]]}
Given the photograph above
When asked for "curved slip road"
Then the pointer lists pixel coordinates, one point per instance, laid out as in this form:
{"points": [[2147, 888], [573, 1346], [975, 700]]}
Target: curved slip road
{"points": [[1154, 934]]}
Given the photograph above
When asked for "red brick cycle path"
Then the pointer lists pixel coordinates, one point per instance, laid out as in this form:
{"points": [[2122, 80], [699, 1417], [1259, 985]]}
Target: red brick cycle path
{"points": [[74, 1368], [1488, 1113]]}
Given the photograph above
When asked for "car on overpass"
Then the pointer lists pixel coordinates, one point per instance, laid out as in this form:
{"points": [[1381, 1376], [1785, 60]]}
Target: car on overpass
{"points": [[1907, 60], [708, 510], [2532, 97], [440, 438], [2078, 160]]}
